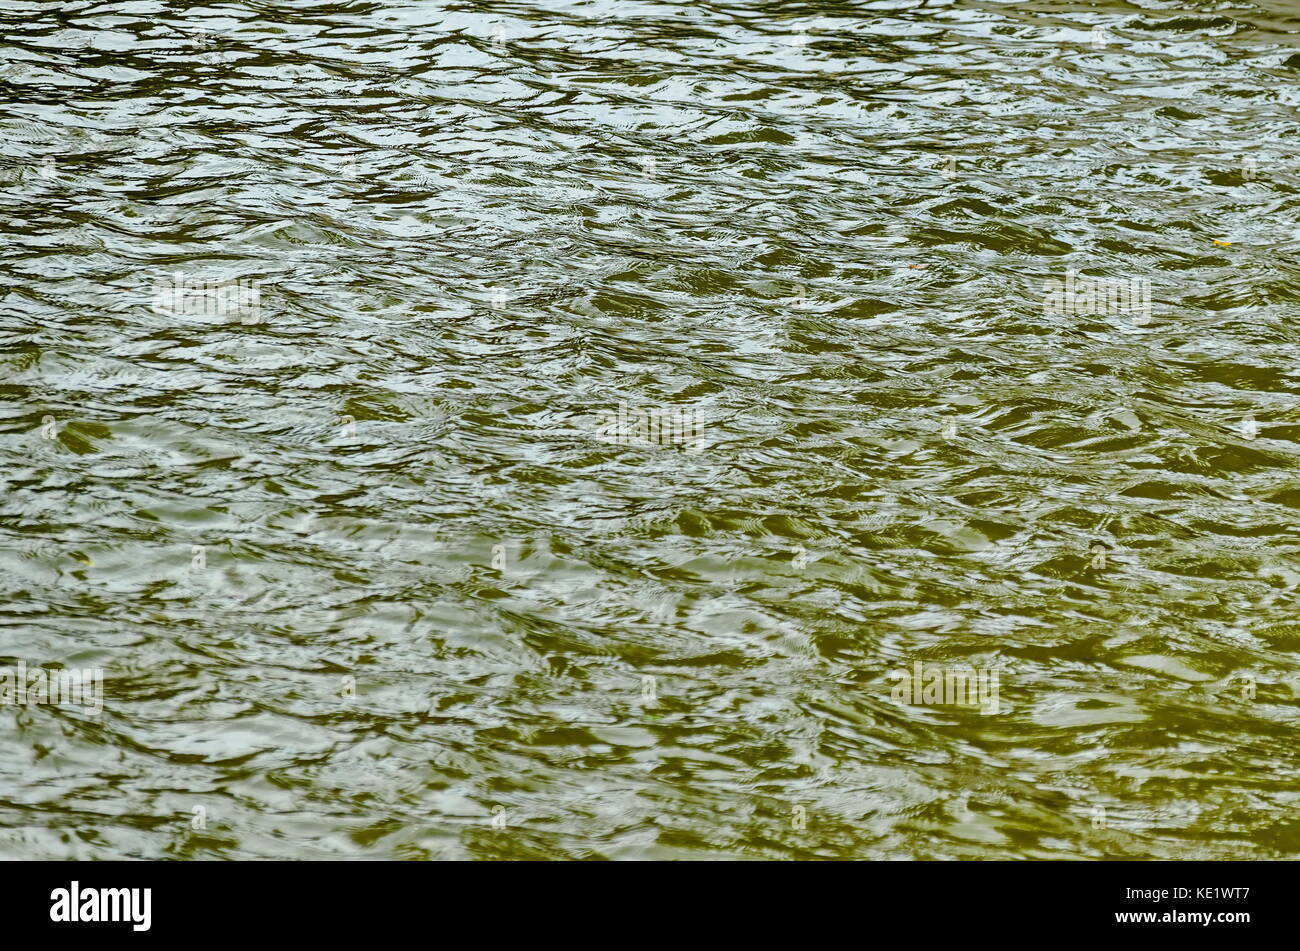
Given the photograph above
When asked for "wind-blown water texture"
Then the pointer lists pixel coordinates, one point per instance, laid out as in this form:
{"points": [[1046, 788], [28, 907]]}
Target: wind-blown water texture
{"points": [[825, 229]]}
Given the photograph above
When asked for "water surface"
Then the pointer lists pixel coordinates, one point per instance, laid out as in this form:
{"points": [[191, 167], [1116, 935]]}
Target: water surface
{"points": [[364, 579]]}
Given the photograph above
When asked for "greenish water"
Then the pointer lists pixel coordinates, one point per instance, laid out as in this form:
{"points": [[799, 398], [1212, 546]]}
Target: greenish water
{"points": [[366, 577]]}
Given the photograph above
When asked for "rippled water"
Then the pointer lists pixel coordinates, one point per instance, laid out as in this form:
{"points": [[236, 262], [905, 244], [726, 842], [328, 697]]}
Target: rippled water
{"points": [[364, 573]]}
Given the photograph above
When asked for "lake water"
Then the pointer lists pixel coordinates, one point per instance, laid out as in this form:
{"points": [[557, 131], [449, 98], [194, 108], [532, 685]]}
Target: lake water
{"points": [[650, 430]]}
